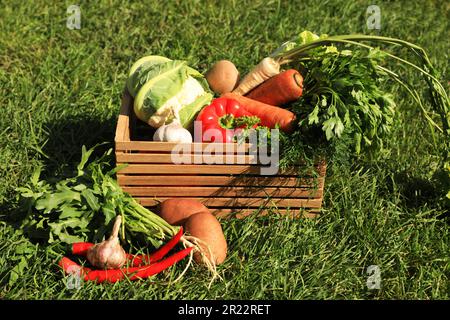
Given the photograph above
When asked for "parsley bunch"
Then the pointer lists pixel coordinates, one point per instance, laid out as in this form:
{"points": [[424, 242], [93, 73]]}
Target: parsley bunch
{"points": [[343, 94]]}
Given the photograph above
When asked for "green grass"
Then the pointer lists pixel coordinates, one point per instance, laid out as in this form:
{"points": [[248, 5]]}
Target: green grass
{"points": [[61, 89]]}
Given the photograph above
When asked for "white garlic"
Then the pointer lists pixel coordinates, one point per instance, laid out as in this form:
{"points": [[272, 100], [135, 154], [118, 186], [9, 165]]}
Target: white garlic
{"points": [[108, 254], [173, 132]]}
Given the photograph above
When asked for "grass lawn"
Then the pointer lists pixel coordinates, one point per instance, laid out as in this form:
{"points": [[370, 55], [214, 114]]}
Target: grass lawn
{"points": [[61, 89]]}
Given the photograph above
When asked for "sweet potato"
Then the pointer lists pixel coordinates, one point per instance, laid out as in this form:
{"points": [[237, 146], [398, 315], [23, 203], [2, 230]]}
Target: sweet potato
{"points": [[175, 211], [207, 228]]}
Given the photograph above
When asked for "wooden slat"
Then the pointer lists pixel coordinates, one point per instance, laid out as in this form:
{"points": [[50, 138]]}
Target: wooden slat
{"points": [[243, 202], [321, 168], [222, 192], [224, 213], [123, 122], [196, 180], [198, 169], [195, 147], [322, 173], [187, 158]]}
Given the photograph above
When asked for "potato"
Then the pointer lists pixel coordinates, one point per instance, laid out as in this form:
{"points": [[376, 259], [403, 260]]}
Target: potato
{"points": [[223, 77], [207, 228], [175, 211]]}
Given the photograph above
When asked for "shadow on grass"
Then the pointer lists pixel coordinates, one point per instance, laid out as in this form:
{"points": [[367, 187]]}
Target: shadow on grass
{"points": [[417, 192], [413, 191], [62, 152], [67, 136]]}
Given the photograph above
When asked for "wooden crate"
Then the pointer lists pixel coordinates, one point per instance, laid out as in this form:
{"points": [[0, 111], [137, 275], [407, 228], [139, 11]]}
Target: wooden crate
{"points": [[227, 189]]}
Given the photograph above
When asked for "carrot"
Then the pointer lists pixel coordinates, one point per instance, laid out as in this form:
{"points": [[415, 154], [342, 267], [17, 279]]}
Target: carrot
{"points": [[266, 69], [280, 89], [270, 115]]}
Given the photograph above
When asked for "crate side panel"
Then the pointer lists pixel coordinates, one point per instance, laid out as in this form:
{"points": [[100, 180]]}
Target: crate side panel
{"points": [[123, 122], [225, 213]]}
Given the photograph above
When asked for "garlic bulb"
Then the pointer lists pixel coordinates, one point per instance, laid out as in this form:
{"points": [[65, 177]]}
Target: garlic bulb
{"points": [[108, 254], [173, 132]]}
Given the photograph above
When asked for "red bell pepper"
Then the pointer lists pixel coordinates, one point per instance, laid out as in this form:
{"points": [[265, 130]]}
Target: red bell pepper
{"points": [[222, 120]]}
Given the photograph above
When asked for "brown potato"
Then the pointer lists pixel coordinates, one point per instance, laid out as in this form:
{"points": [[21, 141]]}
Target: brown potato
{"points": [[207, 228], [175, 211], [223, 77]]}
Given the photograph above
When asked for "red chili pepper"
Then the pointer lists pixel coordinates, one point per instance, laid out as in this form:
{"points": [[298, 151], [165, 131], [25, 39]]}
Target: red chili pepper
{"points": [[137, 260], [81, 248], [222, 117], [132, 273], [143, 266], [70, 266], [159, 266]]}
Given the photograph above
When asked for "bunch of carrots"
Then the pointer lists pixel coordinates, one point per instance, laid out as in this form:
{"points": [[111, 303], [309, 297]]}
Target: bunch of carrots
{"points": [[266, 100]]}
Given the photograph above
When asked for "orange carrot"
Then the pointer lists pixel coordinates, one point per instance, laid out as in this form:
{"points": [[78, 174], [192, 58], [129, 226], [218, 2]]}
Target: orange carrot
{"points": [[280, 89], [270, 115]]}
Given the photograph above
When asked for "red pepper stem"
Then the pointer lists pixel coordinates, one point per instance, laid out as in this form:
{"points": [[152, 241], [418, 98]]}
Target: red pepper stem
{"points": [[227, 121]]}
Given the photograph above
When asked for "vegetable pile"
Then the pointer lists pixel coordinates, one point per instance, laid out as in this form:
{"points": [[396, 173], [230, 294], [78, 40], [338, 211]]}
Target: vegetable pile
{"points": [[343, 88], [315, 89], [83, 207]]}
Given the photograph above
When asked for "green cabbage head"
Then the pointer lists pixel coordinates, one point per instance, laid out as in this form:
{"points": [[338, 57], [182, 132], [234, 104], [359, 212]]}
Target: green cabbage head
{"points": [[165, 89]]}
